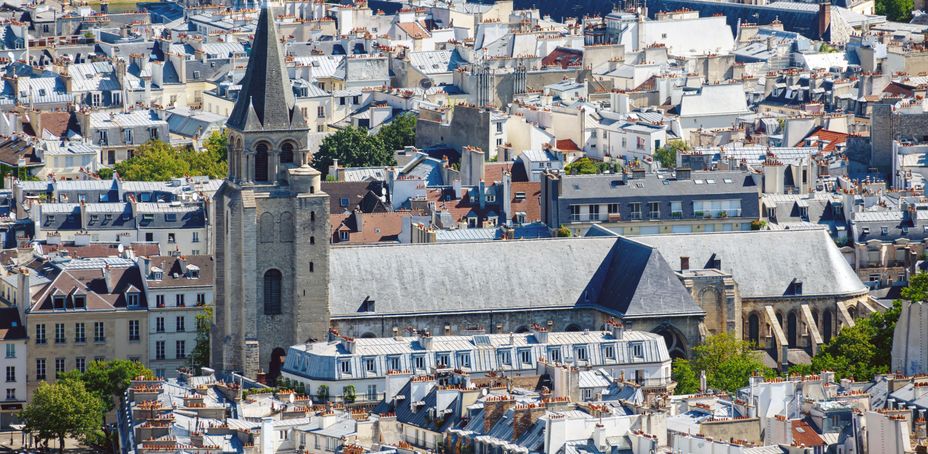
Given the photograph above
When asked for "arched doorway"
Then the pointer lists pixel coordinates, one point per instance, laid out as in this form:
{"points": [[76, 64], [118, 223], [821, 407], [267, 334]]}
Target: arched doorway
{"points": [[261, 159], [573, 327], [754, 328], [368, 335], [826, 325], [792, 330], [676, 343], [278, 355]]}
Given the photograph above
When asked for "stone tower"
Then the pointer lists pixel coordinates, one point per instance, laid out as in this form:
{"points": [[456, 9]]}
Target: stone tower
{"points": [[271, 221]]}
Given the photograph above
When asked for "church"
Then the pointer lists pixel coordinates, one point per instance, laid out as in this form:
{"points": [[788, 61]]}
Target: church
{"points": [[279, 281]]}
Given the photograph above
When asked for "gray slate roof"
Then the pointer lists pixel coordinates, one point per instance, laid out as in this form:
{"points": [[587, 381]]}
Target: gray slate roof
{"points": [[765, 263], [614, 274]]}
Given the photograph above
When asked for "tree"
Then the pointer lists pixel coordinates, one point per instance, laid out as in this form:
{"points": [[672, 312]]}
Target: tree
{"points": [[63, 409], [728, 362], [399, 133], [349, 394], [667, 155], [896, 10], [108, 379], [582, 166], [683, 373], [158, 161], [218, 143], [105, 173], [352, 147], [199, 357], [563, 232], [322, 393]]}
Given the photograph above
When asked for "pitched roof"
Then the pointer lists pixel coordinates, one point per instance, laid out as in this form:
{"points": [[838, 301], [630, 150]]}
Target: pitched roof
{"points": [[499, 276], [102, 294], [177, 271], [266, 98], [765, 263], [11, 327]]}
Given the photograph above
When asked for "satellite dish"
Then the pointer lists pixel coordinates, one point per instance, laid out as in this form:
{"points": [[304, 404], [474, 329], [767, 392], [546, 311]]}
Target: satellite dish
{"points": [[425, 83], [292, 397], [120, 248], [484, 392]]}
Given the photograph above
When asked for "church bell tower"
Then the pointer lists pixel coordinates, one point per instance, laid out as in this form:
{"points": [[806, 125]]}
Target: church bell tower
{"points": [[271, 222]]}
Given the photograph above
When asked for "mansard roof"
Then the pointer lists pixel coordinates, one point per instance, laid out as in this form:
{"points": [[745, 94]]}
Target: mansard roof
{"points": [[266, 99]]}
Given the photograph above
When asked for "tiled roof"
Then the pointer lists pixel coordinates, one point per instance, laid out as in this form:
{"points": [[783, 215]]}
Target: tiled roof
{"points": [[102, 294], [176, 271]]}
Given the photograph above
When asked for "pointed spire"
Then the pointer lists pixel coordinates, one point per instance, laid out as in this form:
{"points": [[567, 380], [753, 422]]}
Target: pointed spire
{"points": [[266, 94]]}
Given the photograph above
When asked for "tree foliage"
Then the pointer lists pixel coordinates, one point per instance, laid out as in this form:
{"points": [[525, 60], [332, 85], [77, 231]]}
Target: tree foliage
{"points": [[896, 10], [667, 155], [108, 379], [349, 394], [159, 161], [686, 378], [352, 147], [582, 166], [399, 133], [199, 357], [728, 362], [64, 409]]}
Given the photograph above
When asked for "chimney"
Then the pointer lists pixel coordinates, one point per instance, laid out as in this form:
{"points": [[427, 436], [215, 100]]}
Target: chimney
{"points": [[107, 278], [333, 169], [358, 220], [507, 197], [472, 171], [267, 429], [599, 437], [684, 263], [824, 19], [618, 329], [481, 194], [494, 407], [23, 292], [524, 417], [638, 174], [684, 173]]}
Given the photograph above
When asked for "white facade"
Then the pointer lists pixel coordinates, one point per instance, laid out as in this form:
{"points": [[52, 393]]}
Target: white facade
{"points": [[13, 368]]}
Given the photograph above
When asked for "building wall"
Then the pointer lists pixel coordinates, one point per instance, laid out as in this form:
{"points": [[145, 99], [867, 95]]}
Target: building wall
{"points": [[167, 367], [13, 403]]}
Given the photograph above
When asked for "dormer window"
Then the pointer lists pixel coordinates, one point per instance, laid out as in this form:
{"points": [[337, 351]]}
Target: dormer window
{"points": [[80, 301], [58, 301], [193, 272], [170, 217], [132, 299]]}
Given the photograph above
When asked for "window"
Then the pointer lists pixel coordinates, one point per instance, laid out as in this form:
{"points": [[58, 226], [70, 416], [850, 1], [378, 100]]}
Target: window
{"points": [[196, 237], [59, 366], [345, 367], [159, 300], [554, 354], [419, 362], [99, 333], [587, 394], [580, 353], [370, 365], [272, 292], [609, 351], [153, 132], [634, 209], [40, 334], [58, 301], [133, 330], [180, 322], [159, 325], [612, 208], [637, 350], [11, 394], [594, 212], [59, 333], [525, 356], [463, 359], [170, 217], [159, 350], [320, 111], [504, 357], [172, 238], [80, 363], [11, 374], [179, 300], [127, 135], [80, 301], [371, 392], [201, 299], [654, 210], [10, 350], [40, 369], [393, 363], [442, 360], [79, 335], [132, 299], [884, 230], [676, 209], [180, 349], [343, 235]]}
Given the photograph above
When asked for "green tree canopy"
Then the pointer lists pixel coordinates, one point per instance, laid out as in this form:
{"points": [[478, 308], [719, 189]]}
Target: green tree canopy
{"points": [[685, 376], [108, 379], [199, 357], [399, 133], [63, 409], [583, 166], [896, 10], [667, 155], [158, 161], [728, 362], [352, 147]]}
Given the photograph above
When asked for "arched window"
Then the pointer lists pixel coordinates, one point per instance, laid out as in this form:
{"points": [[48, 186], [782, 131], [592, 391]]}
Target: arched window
{"points": [[754, 328], [266, 228], [312, 268], [792, 329], [286, 153], [272, 290], [312, 216], [261, 162], [286, 227], [312, 240]]}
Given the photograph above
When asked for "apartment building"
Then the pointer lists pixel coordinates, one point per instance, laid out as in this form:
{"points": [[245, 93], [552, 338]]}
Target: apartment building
{"points": [[179, 289], [13, 366], [640, 203]]}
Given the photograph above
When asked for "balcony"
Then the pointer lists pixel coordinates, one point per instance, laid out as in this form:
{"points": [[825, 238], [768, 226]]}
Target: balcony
{"points": [[587, 218]]}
